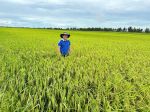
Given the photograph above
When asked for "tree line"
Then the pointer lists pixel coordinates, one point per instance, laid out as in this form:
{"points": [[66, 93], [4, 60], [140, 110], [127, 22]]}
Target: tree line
{"points": [[129, 29]]}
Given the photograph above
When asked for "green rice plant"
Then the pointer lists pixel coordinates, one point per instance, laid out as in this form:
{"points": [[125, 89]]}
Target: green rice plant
{"points": [[106, 71]]}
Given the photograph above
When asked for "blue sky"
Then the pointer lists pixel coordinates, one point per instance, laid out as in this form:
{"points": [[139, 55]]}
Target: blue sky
{"points": [[75, 13]]}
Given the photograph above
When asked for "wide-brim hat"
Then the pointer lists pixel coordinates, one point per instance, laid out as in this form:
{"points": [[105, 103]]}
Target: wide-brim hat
{"points": [[61, 35]]}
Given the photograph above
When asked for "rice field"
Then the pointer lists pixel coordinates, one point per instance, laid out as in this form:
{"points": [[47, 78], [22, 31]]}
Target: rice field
{"points": [[106, 71]]}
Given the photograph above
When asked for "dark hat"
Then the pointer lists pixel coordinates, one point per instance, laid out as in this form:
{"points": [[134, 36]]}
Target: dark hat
{"points": [[61, 35]]}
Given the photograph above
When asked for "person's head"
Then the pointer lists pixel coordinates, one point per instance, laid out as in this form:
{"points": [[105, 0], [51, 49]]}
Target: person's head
{"points": [[65, 36]]}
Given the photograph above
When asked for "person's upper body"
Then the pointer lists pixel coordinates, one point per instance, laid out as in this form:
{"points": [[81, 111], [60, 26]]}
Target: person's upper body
{"points": [[64, 44]]}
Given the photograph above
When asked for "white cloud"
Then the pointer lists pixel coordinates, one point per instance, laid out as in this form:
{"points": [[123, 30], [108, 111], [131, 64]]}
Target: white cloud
{"points": [[75, 12], [18, 1], [30, 2], [5, 22]]}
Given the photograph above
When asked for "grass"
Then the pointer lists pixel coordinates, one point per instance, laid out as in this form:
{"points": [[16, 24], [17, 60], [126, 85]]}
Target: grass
{"points": [[105, 71]]}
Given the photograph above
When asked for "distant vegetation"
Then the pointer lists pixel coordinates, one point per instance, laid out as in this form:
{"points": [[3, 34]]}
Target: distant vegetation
{"points": [[129, 29]]}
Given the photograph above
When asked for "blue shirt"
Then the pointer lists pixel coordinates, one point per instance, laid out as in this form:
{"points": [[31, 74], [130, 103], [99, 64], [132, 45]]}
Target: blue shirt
{"points": [[64, 46]]}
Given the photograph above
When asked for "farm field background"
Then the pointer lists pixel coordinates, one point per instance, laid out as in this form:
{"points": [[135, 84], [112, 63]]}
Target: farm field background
{"points": [[105, 71]]}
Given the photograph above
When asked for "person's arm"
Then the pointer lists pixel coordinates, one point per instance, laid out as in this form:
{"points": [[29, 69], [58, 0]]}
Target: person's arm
{"points": [[58, 50], [69, 48]]}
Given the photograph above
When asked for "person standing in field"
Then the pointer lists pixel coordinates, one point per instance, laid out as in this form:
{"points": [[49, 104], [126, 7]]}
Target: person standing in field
{"points": [[64, 44]]}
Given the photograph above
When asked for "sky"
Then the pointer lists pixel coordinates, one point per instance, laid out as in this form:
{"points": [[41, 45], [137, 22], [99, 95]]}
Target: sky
{"points": [[75, 13]]}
